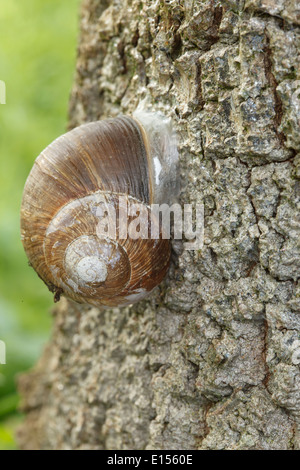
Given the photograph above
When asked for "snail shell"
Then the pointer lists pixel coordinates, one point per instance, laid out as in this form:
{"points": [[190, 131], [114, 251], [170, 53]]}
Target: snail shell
{"points": [[95, 163]]}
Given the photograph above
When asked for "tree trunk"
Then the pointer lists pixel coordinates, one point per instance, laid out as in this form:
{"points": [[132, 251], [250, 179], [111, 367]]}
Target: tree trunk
{"points": [[211, 360]]}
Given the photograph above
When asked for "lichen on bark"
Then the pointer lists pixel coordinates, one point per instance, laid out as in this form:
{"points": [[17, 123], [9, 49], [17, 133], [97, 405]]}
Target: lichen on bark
{"points": [[211, 360]]}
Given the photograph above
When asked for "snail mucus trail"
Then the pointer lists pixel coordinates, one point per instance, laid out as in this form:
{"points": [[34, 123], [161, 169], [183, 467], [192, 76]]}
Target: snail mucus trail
{"points": [[135, 157]]}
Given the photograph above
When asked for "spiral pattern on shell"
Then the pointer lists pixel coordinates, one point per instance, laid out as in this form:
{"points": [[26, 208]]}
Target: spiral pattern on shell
{"points": [[69, 181]]}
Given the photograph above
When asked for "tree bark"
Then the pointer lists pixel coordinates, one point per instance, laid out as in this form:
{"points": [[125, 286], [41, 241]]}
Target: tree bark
{"points": [[211, 359]]}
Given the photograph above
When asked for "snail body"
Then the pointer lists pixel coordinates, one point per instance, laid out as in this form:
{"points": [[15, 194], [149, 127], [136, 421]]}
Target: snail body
{"points": [[116, 163]]}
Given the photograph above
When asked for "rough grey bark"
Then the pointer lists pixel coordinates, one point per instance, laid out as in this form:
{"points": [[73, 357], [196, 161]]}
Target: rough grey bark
{"points": [[211, 360]]}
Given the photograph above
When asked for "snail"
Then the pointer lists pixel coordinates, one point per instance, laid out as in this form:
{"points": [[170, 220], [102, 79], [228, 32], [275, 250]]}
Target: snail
{"points": [[84, 173]]}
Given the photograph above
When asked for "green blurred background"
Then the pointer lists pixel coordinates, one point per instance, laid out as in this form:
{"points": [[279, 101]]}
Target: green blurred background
{"points": [[38, 41]]}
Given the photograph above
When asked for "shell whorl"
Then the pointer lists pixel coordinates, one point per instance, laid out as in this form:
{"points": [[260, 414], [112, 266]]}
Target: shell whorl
{"points": [[68, 182]]}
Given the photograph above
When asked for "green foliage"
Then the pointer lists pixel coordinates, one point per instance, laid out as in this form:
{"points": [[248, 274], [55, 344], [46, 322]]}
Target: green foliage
{"points": [[37, 62]]}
